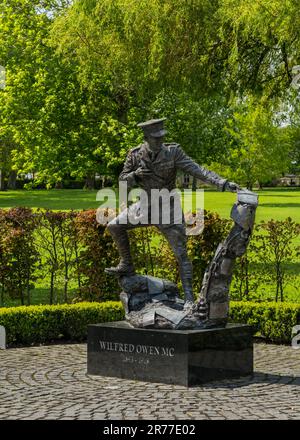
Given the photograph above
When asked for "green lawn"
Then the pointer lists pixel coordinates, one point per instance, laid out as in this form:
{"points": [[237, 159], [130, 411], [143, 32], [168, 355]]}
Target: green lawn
{"points": [[273, 203], [60, 199]]}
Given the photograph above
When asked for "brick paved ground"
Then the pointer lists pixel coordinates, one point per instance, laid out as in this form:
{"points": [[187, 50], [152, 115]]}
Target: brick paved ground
{"points": [[50, 382]]}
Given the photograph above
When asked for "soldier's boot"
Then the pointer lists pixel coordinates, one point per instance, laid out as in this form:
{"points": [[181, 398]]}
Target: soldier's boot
{"points": [[186, 275], [120, 237]]}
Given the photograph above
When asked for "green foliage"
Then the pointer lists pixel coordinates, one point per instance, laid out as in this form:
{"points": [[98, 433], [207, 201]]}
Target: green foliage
{"points": [[277, 203], [41, 324], [202, 247], [153, 255], [248, 280], [18, 253], [146, 248], [81, 74], [72, 248], [140, 47], [262, 42], [198, 125], [274, 321], [50, 125], [272, 249], [258, 148], [186, 60], [44, 324], [28, 68], [96, 253], [62, 248], [57, 241], [68, 251]]}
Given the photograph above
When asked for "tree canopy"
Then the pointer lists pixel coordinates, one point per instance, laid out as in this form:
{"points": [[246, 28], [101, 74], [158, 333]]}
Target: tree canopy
{"points": [[81, 74]]}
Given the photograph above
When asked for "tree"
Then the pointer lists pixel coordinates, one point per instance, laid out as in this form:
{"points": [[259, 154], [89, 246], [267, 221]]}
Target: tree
{"points": [[263, 44], [143, 46], [139, 48], [183, 58], [24, 25], [149, 59], [197, 125], [73, 99], [259, 150], [50, 125]]}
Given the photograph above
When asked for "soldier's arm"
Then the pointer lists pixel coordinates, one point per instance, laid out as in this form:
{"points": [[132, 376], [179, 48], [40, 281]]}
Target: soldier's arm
{"points": [[128, 172], [186, 164]]}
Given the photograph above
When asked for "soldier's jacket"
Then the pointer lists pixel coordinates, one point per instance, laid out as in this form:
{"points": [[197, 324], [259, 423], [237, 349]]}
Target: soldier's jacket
{"points": [[164, 168]]}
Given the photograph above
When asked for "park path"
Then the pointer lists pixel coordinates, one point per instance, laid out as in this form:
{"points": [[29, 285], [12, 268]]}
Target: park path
{"points": [[50, 382]]}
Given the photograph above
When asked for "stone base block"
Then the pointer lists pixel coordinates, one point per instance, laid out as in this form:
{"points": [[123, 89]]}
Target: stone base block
{"points": [[182, 357]]}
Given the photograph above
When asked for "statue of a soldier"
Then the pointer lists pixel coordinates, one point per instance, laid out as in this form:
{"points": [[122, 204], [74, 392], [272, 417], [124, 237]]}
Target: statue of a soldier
{"points": [[154, 165]]}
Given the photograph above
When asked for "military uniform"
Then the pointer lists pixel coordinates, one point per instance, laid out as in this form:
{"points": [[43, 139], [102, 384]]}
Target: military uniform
{"points": [[163, 166]]}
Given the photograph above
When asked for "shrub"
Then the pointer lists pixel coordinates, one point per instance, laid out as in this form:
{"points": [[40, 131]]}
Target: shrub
{"points": [[153, 255], [272, 320], [68, 252], [58, 246], [40, 324], [273, 248], [202, 247], [18, 253], [97, 251]]}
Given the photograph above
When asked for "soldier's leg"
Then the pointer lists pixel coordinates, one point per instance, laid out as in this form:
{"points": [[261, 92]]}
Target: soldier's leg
{"points": [[175, 234], [118, 228]]}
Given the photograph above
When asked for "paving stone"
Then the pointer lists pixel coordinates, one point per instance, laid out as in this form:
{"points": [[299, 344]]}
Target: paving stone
{"points": [[50, 382]]}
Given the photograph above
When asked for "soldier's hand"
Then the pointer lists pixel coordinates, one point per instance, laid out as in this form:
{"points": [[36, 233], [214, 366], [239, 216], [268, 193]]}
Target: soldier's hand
{"points": [[231, 186], [142, 172]]}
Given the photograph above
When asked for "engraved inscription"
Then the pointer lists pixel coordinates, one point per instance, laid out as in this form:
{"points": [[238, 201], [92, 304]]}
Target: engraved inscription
{"points": [[151, 350]]}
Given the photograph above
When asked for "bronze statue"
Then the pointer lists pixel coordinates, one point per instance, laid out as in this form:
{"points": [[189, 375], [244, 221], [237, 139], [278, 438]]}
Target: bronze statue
{"points": [[150, 301]]}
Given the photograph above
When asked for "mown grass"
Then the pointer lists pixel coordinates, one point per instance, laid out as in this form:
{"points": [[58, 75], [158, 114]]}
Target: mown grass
{"points": [[276, 203]]}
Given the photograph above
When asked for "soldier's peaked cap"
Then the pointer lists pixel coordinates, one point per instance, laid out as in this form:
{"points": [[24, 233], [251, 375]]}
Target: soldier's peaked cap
{"points": [[153, 127]]}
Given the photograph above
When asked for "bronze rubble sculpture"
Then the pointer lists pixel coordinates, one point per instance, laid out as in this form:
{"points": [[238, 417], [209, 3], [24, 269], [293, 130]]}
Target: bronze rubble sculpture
{"points": [[151, 302]]}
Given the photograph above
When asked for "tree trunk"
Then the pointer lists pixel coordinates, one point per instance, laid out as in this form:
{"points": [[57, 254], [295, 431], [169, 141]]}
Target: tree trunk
{"points": [[12, 180], [194, 184], [28, 293], [277, 282], [144, 253], [51, 288], [150, 254], [22, 296], [2, 183], [2, 296], [59, 185], [77, 266], [281, 285], [90, 181]]}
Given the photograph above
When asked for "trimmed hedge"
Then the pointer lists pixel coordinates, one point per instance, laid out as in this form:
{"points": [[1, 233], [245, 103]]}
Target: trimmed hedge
{"points": [[272, 320], [40, 324]]}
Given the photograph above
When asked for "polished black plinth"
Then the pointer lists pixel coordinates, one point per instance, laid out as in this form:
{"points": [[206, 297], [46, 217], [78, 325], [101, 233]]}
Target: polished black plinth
{"points": [[182, 357]]}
